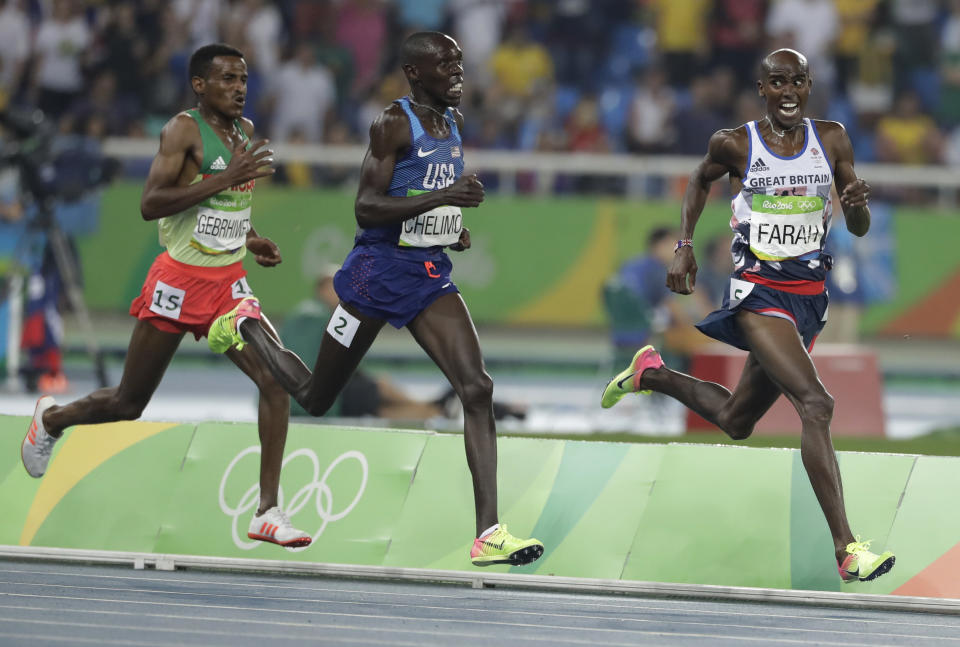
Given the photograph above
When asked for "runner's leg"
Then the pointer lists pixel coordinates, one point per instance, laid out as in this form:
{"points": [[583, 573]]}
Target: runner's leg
{"points": [[316, 391], [780, 352], [148, 355], [273, 415], [446, 332]]}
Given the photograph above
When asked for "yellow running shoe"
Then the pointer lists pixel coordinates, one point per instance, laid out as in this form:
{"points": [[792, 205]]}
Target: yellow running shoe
{"points": [[860, 564], [628, 380], [224, 334], [500, 547]]}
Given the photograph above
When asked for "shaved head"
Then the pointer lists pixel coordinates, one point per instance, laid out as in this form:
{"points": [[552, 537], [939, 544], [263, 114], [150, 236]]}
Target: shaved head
{"points": [[783, 56], [421, 44]]}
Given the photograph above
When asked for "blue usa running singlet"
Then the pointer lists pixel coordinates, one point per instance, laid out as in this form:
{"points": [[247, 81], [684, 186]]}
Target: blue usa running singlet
{"points": [[782, 214], [429, 165]]}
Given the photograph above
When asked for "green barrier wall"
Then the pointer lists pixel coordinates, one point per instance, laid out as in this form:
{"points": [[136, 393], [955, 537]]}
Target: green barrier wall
{"points": [[534, 261], [668, 513]]}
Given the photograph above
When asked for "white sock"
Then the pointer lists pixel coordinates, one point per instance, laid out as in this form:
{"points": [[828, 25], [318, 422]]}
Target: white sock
{"points": [[489, 530], [240, 320]]}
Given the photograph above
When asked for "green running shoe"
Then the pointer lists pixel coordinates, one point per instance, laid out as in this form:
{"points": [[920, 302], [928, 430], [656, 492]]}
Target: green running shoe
{"points": [[500, 547], [628, 380], [224, 334], [860, 564]]}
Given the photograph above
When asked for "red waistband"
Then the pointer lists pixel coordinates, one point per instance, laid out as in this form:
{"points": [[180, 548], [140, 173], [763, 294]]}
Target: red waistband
{"points": [[210, 273], [793, 287]]}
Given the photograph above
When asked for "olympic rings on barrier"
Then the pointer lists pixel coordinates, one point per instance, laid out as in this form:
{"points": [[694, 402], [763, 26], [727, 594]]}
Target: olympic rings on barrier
{"points": [[323, 502]]}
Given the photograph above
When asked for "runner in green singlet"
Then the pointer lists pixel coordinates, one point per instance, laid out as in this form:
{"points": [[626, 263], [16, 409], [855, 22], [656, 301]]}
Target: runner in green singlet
{"points": [[199, 190]]}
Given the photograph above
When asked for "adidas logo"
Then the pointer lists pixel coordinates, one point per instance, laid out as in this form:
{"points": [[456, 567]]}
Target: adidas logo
{"points": [[759, 165], [219, 164]]}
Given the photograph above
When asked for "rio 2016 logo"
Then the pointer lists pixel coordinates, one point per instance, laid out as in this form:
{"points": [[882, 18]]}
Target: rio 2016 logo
{"points": [[315, 489]]}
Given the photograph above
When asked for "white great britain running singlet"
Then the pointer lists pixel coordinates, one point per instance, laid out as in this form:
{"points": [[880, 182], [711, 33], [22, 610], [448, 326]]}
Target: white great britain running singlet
{"points": [[782, 214]]}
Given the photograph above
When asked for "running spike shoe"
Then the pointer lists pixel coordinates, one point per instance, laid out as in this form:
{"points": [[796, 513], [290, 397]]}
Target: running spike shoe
{"points": [[224, 333], [274, 526], [37, 445], [500, 547], [860, 564], [628, 380]]}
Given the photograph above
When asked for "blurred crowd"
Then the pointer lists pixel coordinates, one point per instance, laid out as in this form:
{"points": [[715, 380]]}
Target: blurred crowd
{"points": [[647, 76]]}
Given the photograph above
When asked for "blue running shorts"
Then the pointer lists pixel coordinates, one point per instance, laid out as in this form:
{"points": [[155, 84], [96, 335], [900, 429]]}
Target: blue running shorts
{"points": [[807, 312], [393, 284]]}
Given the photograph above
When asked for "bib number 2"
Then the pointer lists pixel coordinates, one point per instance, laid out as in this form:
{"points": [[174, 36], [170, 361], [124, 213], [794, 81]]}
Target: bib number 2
{"points": [[343, 326]]}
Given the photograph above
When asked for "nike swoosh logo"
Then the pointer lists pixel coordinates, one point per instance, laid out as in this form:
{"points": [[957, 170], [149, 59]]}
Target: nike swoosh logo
{"points": [[423, 153], [620, 382], [444, 285]]}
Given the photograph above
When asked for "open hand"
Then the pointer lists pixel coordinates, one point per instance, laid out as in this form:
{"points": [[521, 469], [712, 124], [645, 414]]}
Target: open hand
{"points": [[250, 163]]}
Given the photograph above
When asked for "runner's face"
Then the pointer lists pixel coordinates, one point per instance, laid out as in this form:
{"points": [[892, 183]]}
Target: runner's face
{"points": [[225, 88], [786, 89], [441, 73]]}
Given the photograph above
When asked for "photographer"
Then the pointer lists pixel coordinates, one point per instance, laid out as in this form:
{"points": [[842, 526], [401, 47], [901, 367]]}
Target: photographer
{"points": [[56, 174]]}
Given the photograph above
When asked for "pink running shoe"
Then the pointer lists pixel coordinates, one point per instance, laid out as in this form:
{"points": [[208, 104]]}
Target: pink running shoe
{"points": [[628, 380]]}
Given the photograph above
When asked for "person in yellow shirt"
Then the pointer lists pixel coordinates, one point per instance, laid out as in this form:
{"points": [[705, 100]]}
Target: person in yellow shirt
{"points": [[856, 19], [682, 36], [520, 65], [907, 136]]}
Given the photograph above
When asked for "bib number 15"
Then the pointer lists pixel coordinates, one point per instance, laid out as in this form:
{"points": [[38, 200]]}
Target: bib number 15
{"points": [[167, 300]]}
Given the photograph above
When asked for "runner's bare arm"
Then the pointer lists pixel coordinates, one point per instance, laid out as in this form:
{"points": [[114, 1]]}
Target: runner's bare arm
{"points": [[389, 137], [854, 191], [169, 187], [724, 152]]}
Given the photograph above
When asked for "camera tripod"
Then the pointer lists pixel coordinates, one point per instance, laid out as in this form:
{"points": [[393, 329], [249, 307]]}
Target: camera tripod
{"points": [[67, 267]]}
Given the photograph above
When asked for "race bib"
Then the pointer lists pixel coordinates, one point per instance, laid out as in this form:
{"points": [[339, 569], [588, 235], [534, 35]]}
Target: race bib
{"points": [[785, 227], [343, 326], [220, 232], [239, 289], [440, 226], [167, 300], [739, 291]]}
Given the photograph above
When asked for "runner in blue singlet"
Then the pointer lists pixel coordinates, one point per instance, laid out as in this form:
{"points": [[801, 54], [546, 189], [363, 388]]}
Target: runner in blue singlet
{"points": [[408, 209]]}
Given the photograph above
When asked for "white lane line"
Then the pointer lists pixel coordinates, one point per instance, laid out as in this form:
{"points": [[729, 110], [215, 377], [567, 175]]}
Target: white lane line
{"points": [[544, 614], [393, 629], [188, 632], [677, 608], [552, 612], [29, 639]]}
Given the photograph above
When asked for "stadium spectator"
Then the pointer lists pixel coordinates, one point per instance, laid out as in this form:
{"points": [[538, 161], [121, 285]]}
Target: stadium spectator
{"points": [[522, 69], [682, 37], [856, 19], [650, 126], [303, 95], [420, 15], [14, 46], [949, 109], [908, 136], [124, 54], [62, 50], [477, 26], [916, 28], [361, 27], [642, 310], [737, 33], [700, 118]]}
